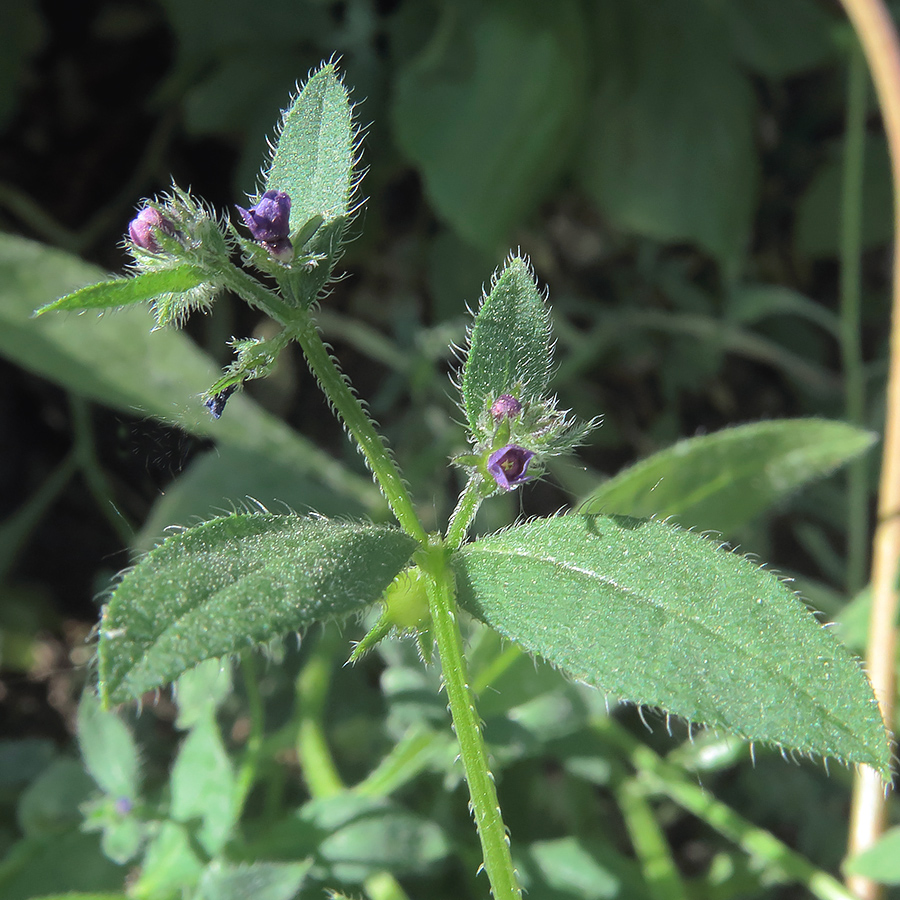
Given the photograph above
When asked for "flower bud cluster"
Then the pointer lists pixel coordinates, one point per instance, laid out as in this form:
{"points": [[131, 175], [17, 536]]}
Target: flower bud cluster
{"points": [[173, 231], [516, 435]]}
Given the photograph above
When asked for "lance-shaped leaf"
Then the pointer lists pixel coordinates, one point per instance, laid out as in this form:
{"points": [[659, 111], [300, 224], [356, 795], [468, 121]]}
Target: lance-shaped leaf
{"points": [[721, 481], [124, 291], [510, 345], [238, 582], [665, 618], [314, 152]]}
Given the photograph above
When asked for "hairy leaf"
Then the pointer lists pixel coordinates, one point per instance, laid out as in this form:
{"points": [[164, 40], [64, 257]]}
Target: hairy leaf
{"points": [[313, 158], [665, 618], [238, 582], [510, 348], [123, 291], [721, 481]]}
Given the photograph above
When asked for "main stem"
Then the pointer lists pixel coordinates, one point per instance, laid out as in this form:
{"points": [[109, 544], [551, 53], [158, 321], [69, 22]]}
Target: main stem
{"points": [[438, 578], [473, 753]]}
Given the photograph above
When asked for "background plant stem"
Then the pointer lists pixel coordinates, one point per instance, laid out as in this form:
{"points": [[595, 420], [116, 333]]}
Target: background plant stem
{"points": [[878, 37], [851, 303]]}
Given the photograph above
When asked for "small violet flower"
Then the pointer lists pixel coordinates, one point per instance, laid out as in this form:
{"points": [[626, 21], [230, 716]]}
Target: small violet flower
{"points": [[505, 407], [509, 466], [268, 222], [142, 227]]}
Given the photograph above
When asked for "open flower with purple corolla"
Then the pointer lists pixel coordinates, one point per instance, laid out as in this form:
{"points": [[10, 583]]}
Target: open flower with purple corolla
{"points": [[509, 466], [269, 221]]}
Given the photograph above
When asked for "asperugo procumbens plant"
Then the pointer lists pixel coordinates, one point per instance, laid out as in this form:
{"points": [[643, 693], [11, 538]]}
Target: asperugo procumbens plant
{"points": [[634, 607]]}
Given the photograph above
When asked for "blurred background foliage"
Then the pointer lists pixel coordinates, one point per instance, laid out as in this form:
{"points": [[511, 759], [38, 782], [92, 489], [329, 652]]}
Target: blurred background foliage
{"points": [[672, 167]]}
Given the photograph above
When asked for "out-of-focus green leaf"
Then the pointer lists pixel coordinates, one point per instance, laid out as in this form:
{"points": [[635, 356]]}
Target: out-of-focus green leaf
{"points": [[351, 837], [722, 481], [108, 749], [564, 869], [816, 227], [203, 784], [50, 804], [780, 38], [487, 109], [57, 864], [670, 151], [115, 360], [259, 881], [230, 478], [202, 690], [238, 582], [170, 866], [666, 618], [880, 862]]}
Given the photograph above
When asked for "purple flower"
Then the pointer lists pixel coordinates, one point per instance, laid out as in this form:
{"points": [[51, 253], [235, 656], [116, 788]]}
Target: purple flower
{"points": [[509, 466], [505, 407], [143, 226], [216, 403], [123, 806], [269, 221]]}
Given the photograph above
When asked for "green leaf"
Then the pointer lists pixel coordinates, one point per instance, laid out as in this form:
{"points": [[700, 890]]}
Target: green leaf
{"points": [[880, 862], [816, 229], [54, 865], [108, 749], [236, 582], [488, 107], [201, 690], [665, 618], [123, 291], [78, 895], [780, 38], [672, 123], [313, 158], [203, 785], [510, 348], [721, 481], [115, 360], [50, 804], [170, 866], [565, 868], [260, 880]]}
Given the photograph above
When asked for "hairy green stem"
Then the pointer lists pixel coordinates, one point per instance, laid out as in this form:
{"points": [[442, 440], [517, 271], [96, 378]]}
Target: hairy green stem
{"points": [[299, 324], [472, 750], [348, 407], [464, 514], [851, 302]]}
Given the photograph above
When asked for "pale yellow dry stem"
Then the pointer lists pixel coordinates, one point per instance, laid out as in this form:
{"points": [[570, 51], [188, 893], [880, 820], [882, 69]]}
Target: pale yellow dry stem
{"points": [[878, 37]]}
